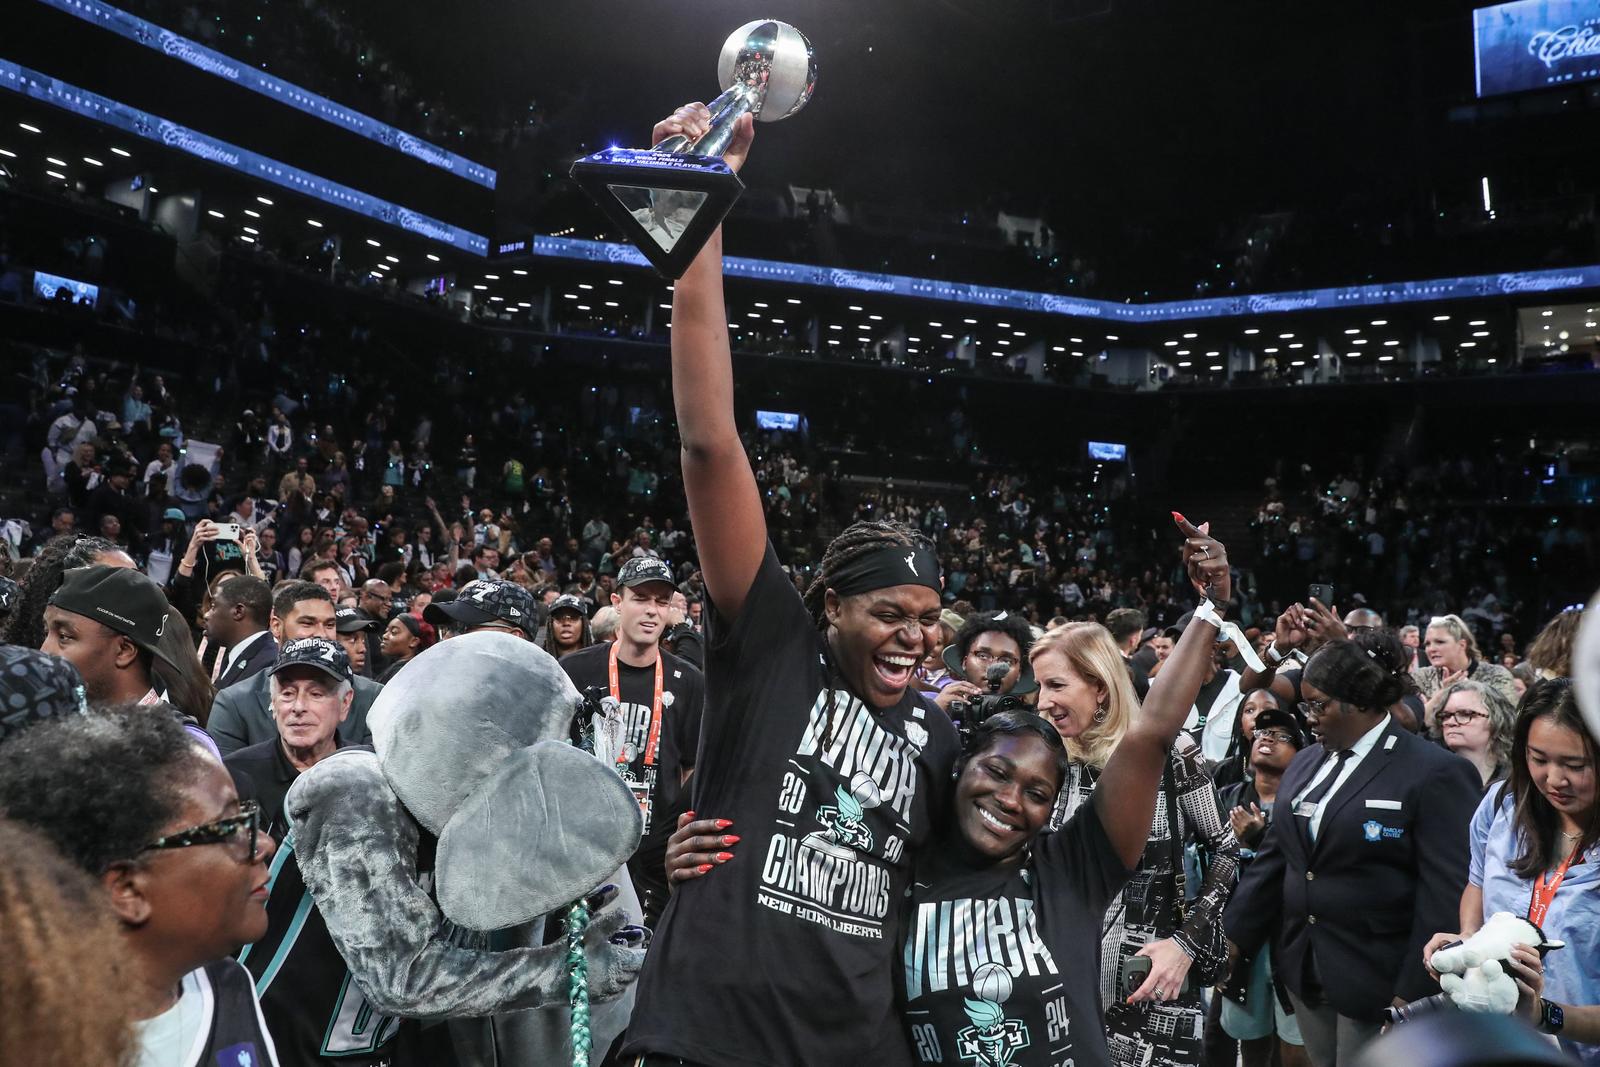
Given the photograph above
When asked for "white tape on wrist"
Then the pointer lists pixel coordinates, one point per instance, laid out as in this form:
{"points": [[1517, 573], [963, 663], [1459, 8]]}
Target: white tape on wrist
{"points": [[1231, 632]]}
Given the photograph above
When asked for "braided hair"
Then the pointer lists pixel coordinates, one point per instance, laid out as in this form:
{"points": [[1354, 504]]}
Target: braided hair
{"points": [[25, 626], [858, 540]]}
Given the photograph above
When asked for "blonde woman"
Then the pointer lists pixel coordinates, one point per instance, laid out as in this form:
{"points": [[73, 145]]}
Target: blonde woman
{"points": [[1085, 693], [1452, 654]]}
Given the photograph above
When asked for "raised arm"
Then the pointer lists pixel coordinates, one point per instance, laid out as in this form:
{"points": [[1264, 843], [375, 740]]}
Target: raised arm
{"points": [[724, 503], [1126, 793]]}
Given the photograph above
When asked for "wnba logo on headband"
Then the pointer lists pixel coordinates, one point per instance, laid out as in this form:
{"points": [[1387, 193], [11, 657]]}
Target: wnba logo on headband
{"points": [[887, 567]]}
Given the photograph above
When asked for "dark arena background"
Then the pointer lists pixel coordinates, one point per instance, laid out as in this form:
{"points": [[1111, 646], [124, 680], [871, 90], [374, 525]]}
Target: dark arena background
{"points": [[306, 289]]}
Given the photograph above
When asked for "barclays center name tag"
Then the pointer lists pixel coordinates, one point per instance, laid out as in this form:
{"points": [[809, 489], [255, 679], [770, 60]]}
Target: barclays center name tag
{"points": [[1373, 830]]}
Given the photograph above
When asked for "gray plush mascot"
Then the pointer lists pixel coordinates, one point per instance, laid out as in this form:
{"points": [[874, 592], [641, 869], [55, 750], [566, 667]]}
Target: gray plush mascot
{"points": [[472, 748]]}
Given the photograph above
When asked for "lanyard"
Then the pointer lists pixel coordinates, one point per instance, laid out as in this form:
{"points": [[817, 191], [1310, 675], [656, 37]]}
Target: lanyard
{"points": [[1544, 894], [655, 706]]}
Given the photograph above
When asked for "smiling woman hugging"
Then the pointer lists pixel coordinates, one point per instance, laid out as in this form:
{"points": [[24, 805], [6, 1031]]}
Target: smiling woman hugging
{"points": [[1085, 693]]}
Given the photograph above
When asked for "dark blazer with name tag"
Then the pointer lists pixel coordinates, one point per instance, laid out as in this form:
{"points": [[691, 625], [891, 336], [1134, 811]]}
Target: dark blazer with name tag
{"points": [[263, 654], [1384, 874]]}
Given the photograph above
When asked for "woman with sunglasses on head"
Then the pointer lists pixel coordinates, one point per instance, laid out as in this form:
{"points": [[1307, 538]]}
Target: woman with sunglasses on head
{"points": [[1536, 852], [1085, 693], [1452, 654], [152, 816]]}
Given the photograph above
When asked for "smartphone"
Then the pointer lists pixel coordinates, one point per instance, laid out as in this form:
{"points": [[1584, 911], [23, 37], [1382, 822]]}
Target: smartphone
{"points": [[1322, 594], [1134, 971], [227, 531]]}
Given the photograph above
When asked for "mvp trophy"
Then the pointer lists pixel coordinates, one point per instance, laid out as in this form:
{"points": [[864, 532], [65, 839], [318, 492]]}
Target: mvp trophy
{"points": [[667, 200]]}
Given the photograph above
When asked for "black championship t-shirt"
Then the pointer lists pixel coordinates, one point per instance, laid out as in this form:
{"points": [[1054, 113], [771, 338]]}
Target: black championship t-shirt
{"points": [[791, 946], [657, 785], [1002, 964]]}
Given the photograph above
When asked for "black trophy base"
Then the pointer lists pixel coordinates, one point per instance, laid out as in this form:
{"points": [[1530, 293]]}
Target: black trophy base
{"points": [[666, 205]]}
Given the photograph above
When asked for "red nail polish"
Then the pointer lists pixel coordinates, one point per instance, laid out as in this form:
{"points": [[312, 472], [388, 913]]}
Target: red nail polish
{"points": [[723, 857], [731, 839], [723, 824], [703, 868], [1178, 515]]}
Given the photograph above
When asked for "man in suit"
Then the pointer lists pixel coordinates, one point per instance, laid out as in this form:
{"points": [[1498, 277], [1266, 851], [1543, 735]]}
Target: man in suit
{"points": [[242, 714], [1367, 856], [238, 623]]}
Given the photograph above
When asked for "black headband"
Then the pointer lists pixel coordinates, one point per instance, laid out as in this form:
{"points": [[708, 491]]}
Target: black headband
{"points": [[887, 567]]}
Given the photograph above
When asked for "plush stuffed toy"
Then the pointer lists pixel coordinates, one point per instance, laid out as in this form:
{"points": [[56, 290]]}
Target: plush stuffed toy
{"points": [[1472, 973], [472, 748]]}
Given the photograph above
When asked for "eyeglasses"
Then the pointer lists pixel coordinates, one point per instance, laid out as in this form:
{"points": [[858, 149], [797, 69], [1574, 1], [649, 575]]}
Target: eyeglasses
{"points": [[1279, 736], [985, 657], [233, 830], [1314, 707], [1460, 716]]}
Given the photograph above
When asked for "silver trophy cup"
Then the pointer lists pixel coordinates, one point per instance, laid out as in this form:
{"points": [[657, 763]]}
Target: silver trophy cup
{"points": [[669, 199]]}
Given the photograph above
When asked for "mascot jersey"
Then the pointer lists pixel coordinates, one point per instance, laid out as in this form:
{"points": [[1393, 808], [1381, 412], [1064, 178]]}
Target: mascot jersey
{"points": [[1001, 963], [312, 1007], [795, 941]]}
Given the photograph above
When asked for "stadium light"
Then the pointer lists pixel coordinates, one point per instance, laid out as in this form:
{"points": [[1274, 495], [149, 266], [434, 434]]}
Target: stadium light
{"points": [[123, 152], [214, 213], [433, 257], [30, 129], [314, 222], [54, 161], [373, 241], [93, 162], [263, 200], [1251, 332]]}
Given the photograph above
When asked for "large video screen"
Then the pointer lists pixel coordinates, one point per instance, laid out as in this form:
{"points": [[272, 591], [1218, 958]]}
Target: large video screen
{"points": [[55, 287], [1108, 451], [778, 420], [1536, 44]]}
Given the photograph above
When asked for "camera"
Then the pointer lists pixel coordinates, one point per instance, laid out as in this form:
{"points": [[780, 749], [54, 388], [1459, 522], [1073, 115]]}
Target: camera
{"points": [[969, 714]]}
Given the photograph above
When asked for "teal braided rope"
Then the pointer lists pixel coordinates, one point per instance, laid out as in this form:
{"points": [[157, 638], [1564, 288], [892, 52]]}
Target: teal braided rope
{"points": [[578, 983]]}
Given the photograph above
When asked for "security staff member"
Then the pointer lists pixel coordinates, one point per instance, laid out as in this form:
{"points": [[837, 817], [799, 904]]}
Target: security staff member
{"points": [[1368, 854]]}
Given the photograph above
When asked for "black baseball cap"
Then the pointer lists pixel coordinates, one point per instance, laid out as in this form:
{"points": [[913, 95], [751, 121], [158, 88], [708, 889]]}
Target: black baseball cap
{"points": [[327, 656], [122, 599], [486, 600], [353, 620], [642, 569], [1283, 720], [570, 602]]}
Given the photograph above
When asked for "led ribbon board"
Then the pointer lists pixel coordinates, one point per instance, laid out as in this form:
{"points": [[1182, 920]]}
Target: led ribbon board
{"points": [[1465, 288], [56, 93], [1535, 44], [202, 58]]}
